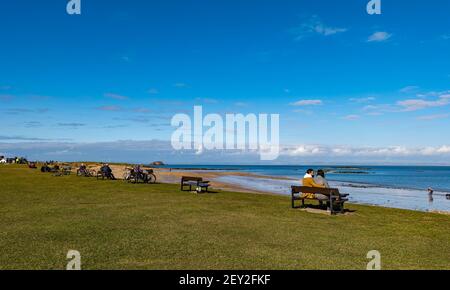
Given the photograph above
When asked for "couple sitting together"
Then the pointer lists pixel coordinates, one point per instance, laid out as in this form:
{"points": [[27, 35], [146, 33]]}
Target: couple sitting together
{"points": [[107, 171], [312, 180]]}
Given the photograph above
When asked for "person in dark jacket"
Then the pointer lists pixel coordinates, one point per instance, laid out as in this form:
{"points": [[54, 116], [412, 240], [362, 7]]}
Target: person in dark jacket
{"points": [[107, 171]]}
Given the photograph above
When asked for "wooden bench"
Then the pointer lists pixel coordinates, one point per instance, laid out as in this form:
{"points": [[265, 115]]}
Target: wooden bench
{"points": [[197, 182], [335, 199]]}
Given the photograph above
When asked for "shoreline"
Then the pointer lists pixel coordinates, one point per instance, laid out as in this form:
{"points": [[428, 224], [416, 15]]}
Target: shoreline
{"points": [[247, 182], [213, 176], [242, 181]]}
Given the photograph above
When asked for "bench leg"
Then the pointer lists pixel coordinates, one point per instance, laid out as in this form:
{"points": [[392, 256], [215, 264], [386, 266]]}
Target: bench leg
{"points": [[331, 205], [320, 204]]}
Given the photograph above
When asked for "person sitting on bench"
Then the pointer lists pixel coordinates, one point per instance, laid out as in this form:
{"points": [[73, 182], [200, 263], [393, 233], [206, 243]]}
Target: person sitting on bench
{"points": [[320, 178], [308, 181]]}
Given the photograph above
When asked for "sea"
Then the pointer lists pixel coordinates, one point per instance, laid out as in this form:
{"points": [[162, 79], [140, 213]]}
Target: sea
{"points": [[404, 187]]}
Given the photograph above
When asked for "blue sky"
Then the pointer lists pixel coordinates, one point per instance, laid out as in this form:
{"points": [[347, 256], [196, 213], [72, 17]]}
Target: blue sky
{"points": [[339, 78]]}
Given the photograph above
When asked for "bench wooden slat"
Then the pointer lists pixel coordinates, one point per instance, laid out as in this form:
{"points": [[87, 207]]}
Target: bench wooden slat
{"points": [[305, 189], [190, 178]]}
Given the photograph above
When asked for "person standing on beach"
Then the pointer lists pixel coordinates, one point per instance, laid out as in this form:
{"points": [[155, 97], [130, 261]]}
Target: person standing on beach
{"points": [[430, 195]]}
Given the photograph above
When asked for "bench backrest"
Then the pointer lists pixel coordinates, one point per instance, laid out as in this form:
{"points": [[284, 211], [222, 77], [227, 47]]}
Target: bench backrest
{"points": [[304, 189], [189, 178]]}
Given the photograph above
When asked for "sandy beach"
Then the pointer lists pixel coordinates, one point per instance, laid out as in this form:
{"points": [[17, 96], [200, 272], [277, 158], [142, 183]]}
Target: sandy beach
{"points": [[168, 175]]}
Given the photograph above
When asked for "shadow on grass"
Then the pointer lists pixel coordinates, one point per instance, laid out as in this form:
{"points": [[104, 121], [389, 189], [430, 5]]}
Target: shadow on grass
{"points": [[317, 208]]}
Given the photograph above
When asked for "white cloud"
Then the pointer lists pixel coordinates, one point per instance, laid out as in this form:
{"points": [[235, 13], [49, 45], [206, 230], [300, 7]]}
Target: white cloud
{"points": [[443, 150], [133, 151], [240, 104], [207, 100], [142, 110], [304, 150], [433, 117], [374, 113], [305, 112], [408, 89], [429, 151], [314, 26], [327, 30], [351, 117], [433, 94], [362, 100], [109, 108], [341, 151], [71, 125], [379, 36], [380, 109], [116, 96], [391, 151], [420, 104], [301, 103]]}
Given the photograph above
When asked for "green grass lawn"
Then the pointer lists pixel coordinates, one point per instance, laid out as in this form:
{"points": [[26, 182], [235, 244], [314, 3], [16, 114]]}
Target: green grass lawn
{"points": [[115, 225]]}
